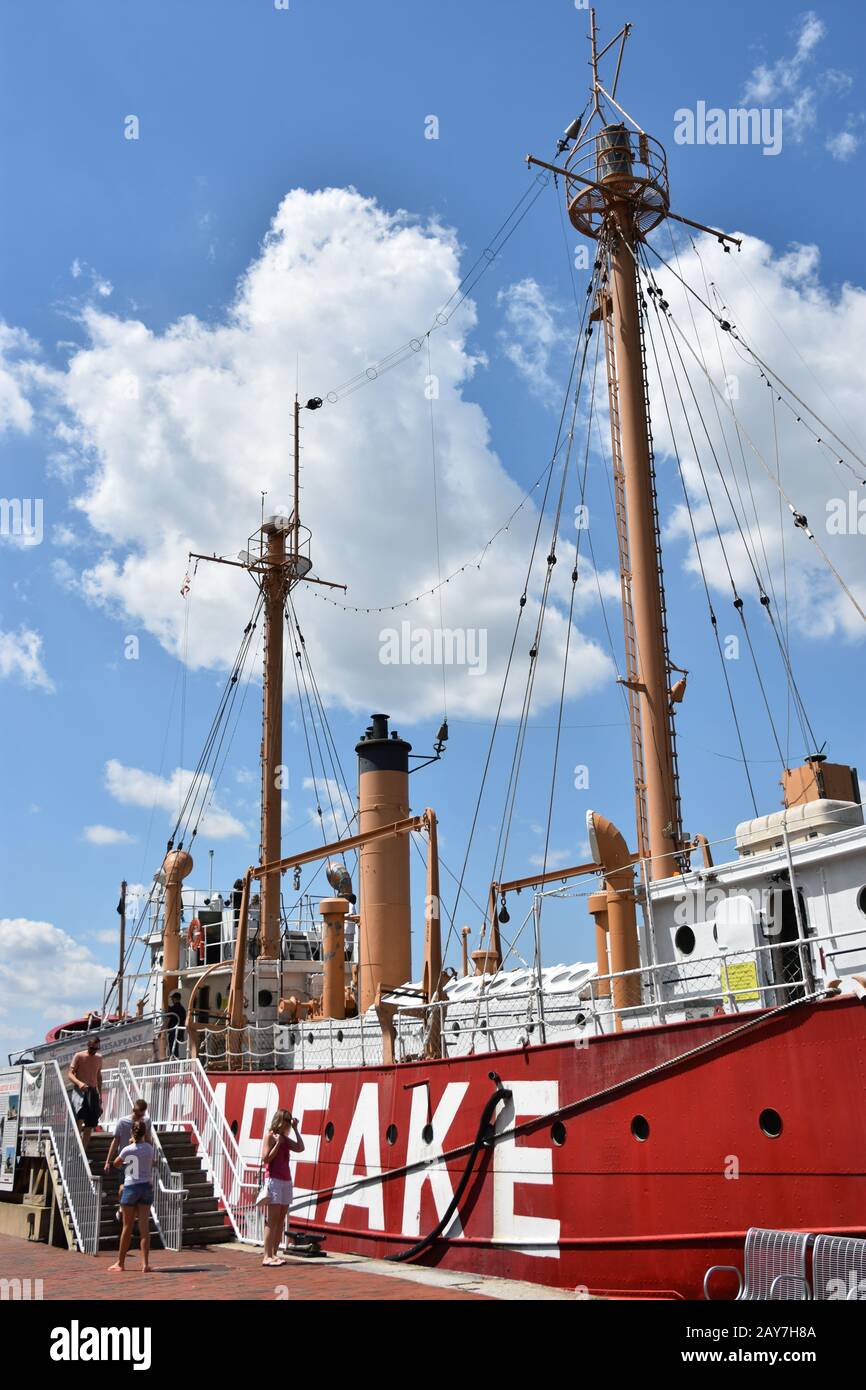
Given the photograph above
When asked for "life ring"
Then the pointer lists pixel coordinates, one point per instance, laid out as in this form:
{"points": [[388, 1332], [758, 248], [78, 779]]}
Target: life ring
{"points": [[195, 937]]}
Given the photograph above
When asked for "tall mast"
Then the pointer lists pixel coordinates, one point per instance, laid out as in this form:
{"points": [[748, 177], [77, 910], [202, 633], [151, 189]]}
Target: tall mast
{"points": [[278, 559], [648, 663], [616, 188], [275, 586], [282, 569]]}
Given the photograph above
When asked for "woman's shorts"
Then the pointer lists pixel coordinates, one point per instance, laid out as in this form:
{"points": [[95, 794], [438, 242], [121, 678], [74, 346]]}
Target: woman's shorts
{"points": [[137, 1194], [279, 1192]]}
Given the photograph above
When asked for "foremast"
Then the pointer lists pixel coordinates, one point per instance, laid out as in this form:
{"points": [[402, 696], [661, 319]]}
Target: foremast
{"points": [[278, 559]]}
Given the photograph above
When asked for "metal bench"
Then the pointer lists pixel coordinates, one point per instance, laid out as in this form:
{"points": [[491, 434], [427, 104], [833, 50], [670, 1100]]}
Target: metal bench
{"points": [[774, 1267], [839, 1268]]}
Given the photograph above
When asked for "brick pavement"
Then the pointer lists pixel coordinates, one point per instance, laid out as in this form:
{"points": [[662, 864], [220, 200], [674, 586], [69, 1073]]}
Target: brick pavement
{"points": [[215, 1273]]}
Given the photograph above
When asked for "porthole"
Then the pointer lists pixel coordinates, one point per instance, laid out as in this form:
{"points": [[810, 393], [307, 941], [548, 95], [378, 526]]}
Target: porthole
{"points": [[685, 941], [557, 1133], [455, 1027], [339, 1035], [427, 1134], [329, 1131], [310, 1038], [861, 900], [640, 1128], [771, 1123], [265, 999], [580, 1020], [391, 1134]]}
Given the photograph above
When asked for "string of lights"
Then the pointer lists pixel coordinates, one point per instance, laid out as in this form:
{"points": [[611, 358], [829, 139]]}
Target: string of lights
{"points": [[479, 267], [469, 564]]}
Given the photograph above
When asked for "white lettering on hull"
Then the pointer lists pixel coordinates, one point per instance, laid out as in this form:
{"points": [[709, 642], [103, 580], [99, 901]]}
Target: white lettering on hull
{"points": [[259, 1095], [517, 1162], [309, 1096], [440, 1183], [522, 1165], [363, 1135]]}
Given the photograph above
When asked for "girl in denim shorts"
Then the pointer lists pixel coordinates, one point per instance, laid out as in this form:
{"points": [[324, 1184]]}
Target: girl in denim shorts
{"points": [[138, 1160]]}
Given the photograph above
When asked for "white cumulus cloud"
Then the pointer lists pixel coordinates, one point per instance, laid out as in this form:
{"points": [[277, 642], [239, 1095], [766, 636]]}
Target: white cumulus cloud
{"points": [[188, 426], [132, 786], [107, 835], [21, 658], [46, 978], [533, 337], [795, 79]]}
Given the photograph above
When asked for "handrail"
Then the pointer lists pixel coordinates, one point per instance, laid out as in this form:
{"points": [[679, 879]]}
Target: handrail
{"points": [[57, 1123], [167, 1213], [235, 1181]]}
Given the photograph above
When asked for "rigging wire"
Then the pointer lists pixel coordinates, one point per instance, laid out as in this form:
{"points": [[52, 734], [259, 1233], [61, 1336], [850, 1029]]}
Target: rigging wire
{"points": [[520, 740], [786, 613], [194, 791], [665, 317], [738, 602], [439, 586], [482, 263], [800, 520], [339, 776], [714, 623], [568, 629], [782, 640], [792, 344], [296, 668], [427, 593], [510, 659], [184, 669], [764, 366]]}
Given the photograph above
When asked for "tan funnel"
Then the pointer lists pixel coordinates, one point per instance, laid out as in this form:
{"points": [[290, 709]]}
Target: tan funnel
{"points": [[333, 912], [386, 923], [616, 922], [176, 866]]}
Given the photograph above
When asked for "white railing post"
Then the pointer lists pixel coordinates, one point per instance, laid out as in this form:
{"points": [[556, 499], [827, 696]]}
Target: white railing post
{"points": [[58, 1127]]}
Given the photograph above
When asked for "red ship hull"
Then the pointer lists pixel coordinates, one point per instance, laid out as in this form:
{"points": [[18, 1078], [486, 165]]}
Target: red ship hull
{"points": [[592, 1205]]}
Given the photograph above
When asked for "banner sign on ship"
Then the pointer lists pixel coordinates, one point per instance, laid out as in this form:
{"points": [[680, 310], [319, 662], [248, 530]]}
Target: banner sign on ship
{"points": [[32, 1091], [10, 1108]]}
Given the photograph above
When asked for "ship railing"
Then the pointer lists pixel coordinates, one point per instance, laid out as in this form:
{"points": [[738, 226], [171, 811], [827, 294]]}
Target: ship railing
{"points": [[729, 982], [180, 1096], [353, 1042], [119, 1095], [56, 1129]]}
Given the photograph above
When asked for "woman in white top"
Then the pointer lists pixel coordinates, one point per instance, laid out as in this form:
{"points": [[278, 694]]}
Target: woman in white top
{"points": [[138, 1159]]}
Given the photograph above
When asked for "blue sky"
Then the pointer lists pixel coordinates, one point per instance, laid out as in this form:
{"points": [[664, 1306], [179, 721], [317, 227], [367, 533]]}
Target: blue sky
{"points": [[239, 104]]}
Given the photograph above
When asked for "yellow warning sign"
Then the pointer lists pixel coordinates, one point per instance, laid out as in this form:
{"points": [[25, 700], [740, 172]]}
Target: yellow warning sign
{"points": [[740, 977]]}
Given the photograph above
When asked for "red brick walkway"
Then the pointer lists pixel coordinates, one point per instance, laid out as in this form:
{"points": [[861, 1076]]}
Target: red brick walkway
{"points": [[210, 1273]]}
